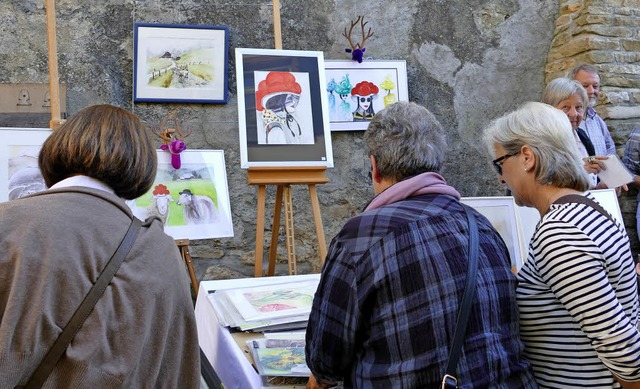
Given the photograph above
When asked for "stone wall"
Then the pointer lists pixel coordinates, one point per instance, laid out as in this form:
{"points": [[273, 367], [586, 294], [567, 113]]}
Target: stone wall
{"points": [[605, 33], [467, 62]]}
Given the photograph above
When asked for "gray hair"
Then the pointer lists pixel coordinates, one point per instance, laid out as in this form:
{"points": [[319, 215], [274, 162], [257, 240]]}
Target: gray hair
{"points": [[547, 131], [406, 140], [586, 67], [561, 89]]}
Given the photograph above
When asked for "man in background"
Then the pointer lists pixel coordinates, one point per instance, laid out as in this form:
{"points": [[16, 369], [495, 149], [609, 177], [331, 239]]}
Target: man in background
{"points": [[592, 124]]}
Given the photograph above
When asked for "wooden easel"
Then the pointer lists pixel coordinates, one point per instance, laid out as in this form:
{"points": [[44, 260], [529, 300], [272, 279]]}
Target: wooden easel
{"points": [[284, 178], [183, 246], [52, 59]]}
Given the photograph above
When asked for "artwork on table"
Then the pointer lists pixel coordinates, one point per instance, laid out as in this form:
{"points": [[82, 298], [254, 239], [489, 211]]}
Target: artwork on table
{"points": [[273, 301], [180, 63], [279, 357], [356, 91], [282, 111], [19, 172], [193, 201], [501, 213]]}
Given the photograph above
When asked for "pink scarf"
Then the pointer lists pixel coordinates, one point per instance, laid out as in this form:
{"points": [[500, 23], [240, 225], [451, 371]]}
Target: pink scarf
{"points": [[421, 184]]}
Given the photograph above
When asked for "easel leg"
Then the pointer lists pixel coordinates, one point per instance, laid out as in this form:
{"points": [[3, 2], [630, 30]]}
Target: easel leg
{"points": [[275, 231], [288, 216], [315, 207], [262, 196], [183, 246]]}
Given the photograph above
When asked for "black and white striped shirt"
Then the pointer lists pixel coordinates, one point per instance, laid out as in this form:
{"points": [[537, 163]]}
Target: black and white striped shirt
{"points": [[578, 300]]}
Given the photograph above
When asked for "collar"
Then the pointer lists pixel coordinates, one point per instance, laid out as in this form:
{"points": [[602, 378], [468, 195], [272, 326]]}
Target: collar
{"points": [[417, 185], [84, 181], [591, 112]]}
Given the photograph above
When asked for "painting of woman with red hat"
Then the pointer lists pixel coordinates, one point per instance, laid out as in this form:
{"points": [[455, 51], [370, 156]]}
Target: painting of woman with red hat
{"points": [[278, 97], [364, 92]]}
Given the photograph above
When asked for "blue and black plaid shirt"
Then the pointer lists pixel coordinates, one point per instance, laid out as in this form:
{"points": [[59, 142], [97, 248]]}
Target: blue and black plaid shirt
{"points": [[386, 307]]}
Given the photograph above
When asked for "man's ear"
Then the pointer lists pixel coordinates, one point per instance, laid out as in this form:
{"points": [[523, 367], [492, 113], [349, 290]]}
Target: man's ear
{"points": [[375, 174]]}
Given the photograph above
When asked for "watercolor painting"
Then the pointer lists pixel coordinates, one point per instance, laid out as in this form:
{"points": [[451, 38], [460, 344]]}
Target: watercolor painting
{"points": [[180, 63], [282, 112], [355, 92], [19, 172], [193, 201]]}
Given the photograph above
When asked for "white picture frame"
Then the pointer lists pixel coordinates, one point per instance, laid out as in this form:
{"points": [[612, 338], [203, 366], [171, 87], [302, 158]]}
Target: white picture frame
{"points": [[345, 78], [19, 171], [200, 182], [282, 108], [501, 213]]}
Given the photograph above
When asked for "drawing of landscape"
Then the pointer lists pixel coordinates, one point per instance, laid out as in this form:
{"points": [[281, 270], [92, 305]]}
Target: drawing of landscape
{"points": [[177, 66], [282, 361]]}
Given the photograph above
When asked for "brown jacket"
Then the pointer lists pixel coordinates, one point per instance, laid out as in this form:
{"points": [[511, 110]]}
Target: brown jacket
{"points": [[141, 334]]}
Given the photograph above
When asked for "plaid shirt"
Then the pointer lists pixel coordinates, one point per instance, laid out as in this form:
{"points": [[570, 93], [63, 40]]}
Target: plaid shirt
{"points": [[386, 307], [598, 133]]}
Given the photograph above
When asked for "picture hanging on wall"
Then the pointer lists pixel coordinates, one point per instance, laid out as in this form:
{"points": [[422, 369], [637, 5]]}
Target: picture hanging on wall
{"points": [[193, 201], [180, 63], [19, 172], [356, 91], [282, 109]]}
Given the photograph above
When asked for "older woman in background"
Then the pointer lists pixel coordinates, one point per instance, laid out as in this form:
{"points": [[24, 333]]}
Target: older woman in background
{"points": [[571, 98], [577, 291]]}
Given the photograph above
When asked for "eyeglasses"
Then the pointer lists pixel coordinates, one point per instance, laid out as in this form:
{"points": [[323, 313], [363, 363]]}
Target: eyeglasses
{"points": [[497, 163]]}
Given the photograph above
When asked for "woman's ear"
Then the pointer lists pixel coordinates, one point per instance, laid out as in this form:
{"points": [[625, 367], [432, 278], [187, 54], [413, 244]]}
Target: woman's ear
{"points": [[529, 157]]}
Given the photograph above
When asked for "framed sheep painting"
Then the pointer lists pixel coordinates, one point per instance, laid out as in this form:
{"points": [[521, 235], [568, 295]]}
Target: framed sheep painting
{"points": [[19, 172], [193, 201]]}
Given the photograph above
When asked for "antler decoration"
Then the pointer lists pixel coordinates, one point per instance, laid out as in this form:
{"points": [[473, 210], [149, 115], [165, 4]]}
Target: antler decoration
{"points": [[173, 139], [357, 50]]}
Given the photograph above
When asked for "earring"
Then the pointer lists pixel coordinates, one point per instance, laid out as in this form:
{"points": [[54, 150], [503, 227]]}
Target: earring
{"points": [[526, 170]]}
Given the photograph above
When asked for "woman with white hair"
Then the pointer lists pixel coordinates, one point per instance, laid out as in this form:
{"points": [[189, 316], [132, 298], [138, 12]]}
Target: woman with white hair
{"points": [[570, 97], [577, 291]]}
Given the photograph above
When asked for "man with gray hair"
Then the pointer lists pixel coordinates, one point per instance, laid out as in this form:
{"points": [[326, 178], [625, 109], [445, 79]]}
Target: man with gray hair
{"points": [[593, 125], [387, 304]]}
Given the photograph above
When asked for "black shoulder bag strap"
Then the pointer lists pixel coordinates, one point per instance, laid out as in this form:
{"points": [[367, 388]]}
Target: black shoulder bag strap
{"points": [[575, 198], [449, 381], [43, 370]]}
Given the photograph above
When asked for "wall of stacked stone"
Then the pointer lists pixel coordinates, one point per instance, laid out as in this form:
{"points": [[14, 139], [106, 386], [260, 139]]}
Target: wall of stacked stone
{"points": [[467, 62], [605, 33]]}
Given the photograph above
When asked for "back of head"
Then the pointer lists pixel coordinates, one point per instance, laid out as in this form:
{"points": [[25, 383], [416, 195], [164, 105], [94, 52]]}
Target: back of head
{"points": [[547, 131], [584, 67], [104, 142], [406, 140], [561, 89]]}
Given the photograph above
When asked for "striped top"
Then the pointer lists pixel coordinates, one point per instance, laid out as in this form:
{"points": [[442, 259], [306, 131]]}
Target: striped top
{"points": [[578, 301]]}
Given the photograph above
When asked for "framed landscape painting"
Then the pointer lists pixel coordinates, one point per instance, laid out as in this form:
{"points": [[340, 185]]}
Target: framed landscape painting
{"points": [[180, 63], [356, 91], [282, 109], [19, 172], [193, 201]]}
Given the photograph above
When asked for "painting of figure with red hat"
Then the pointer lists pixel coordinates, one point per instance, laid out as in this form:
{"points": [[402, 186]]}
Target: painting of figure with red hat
{"points": [[283, 108]]}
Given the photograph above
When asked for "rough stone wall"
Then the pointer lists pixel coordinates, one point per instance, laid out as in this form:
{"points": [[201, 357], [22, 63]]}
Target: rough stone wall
{"points": [[605, 33], [468, 61]]}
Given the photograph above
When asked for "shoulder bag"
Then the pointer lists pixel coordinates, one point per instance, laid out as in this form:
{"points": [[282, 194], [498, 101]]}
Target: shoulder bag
{"points": [[39, 376], [449, 381]]}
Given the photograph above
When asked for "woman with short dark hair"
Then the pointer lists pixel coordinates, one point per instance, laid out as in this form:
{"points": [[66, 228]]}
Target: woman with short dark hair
{"points": [[53, 246]]}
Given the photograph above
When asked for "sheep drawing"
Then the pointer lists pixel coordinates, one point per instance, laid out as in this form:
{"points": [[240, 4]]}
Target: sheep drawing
{"points": [[160, 203], [197, 209]]}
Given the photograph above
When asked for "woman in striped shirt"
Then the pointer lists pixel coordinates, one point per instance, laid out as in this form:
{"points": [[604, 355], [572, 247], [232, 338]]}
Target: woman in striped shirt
{"points": [[577, 291]]}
